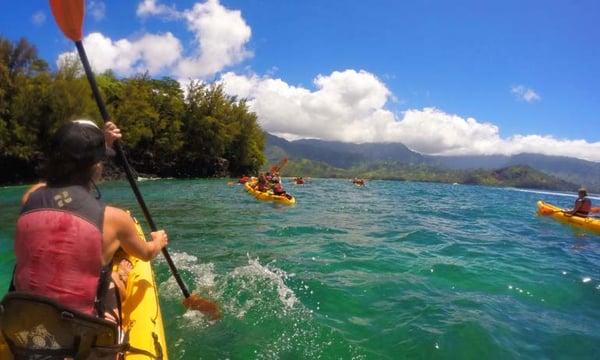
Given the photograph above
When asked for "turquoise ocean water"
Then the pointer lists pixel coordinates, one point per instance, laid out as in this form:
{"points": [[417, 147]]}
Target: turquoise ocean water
{"points": [[393, 270]]}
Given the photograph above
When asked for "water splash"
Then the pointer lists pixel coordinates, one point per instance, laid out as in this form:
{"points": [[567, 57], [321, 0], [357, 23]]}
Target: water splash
{"points": [[203, 274], [254, 272]]}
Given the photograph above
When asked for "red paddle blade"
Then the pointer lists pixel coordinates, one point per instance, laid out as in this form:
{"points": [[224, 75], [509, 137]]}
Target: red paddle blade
{"points": [[69, 17], [207, 307]]}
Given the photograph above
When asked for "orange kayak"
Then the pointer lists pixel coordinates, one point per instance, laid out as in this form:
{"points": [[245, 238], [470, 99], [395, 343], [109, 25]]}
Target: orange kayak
{"points": [[589, 223]]}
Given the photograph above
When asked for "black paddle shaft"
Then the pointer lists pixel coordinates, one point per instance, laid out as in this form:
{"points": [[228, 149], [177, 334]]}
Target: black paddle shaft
{"points": [[126, 166]]}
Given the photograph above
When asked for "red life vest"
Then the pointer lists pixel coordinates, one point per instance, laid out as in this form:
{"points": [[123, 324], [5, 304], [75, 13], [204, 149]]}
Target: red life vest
{"points": [[278, 189], [58, 247], [585, 208]]}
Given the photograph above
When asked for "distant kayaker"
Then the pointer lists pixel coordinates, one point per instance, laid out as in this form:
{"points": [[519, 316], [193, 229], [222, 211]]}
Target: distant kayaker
{"points": [[358, 182], [278, 188], [263, 183], [66, 238], [583, 205], [279, 191]]}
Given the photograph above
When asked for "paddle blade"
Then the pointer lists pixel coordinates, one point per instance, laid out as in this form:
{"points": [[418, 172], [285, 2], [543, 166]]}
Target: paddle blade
{"points": [[69, 17], [209, 308]]}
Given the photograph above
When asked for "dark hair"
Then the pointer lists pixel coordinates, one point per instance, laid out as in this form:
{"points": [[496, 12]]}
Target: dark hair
{"points": [[74, 149]]}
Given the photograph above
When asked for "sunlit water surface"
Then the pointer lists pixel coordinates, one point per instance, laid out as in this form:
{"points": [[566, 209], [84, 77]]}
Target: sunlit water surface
{"points": [[392, 270]]}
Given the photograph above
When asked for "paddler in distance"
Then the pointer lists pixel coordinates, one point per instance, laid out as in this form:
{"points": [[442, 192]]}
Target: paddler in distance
{"points": [[278, 188], [66, 238], [583, 205], [262, 183]]}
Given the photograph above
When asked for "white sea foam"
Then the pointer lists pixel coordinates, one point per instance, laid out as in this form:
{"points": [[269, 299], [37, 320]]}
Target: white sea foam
{"points": [[238, 292], [196, 320], [203, 274], [140, 178], [277, 276]]}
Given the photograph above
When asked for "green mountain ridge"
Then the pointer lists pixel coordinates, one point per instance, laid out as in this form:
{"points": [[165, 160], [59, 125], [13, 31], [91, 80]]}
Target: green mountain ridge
{"points": [[396, 161], [520, 176], [513, 176]]}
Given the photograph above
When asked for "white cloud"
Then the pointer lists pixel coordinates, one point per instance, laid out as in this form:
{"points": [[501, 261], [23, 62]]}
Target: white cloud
{"points": [[350, 106], [525, 94], [346, 106], [97, 9], [39, 18], [151, 8], [221, 35], [150, 52]]}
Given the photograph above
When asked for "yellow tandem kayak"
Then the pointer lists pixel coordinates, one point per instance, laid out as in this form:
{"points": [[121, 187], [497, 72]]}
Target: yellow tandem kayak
{"points": [[268, 195], [142, 318], [545, 209]]}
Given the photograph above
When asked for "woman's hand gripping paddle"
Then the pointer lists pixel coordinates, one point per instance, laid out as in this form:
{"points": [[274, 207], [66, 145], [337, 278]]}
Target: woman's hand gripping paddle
{"points": [[69, 17]]}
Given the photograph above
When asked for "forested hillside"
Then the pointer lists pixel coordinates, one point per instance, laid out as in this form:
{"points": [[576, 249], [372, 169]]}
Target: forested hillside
{"points": [[167, 132]]}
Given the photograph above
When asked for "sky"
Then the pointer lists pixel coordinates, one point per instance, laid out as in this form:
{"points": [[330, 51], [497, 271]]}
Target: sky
{"points": [[442, 77]]}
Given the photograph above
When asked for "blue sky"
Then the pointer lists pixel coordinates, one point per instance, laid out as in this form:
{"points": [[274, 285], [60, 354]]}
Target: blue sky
{"points": [[446, 77]]}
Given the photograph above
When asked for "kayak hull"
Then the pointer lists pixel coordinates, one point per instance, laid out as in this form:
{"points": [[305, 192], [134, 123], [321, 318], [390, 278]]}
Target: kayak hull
{"points": [[546, 209], [268, 196], [142, 317]]}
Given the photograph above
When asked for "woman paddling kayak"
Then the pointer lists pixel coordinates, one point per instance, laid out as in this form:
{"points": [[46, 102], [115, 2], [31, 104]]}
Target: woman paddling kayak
{"points": [[583, 205], [66, 238]]}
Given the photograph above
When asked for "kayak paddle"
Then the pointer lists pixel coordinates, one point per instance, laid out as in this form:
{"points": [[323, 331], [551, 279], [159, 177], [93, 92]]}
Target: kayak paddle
{"points": [[69, 17]]}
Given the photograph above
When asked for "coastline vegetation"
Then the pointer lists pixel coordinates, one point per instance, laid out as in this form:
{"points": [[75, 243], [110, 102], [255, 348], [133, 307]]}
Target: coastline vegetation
{"points": [[513, 176], [199, 132]]}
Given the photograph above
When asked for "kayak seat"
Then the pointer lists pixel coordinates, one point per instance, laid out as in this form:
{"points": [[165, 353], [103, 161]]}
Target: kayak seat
{"points": [[36, 327]]}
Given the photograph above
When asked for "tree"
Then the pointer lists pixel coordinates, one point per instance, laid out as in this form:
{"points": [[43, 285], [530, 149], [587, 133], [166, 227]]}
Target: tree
{"points": [[246, 151], [167, 99], [22, 74], [135, 114], [218, 126], [204, 132], [200, 133]]}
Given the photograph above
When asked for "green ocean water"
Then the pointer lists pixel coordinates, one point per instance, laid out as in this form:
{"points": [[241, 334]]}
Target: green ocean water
{"points": [[390, 271]]}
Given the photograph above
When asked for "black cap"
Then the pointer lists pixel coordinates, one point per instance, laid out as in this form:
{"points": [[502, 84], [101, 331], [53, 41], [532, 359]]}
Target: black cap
{"points": [[81, 141]]}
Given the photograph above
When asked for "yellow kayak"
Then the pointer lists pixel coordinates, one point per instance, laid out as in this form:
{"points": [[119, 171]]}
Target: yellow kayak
{"points": [[142, 318], [268, 195], [589, 223], [4, 351]]}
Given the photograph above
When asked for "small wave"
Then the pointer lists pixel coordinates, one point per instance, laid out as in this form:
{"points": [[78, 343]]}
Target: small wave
{"points": [[550, 193], [141, 178], [289, 231]]}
